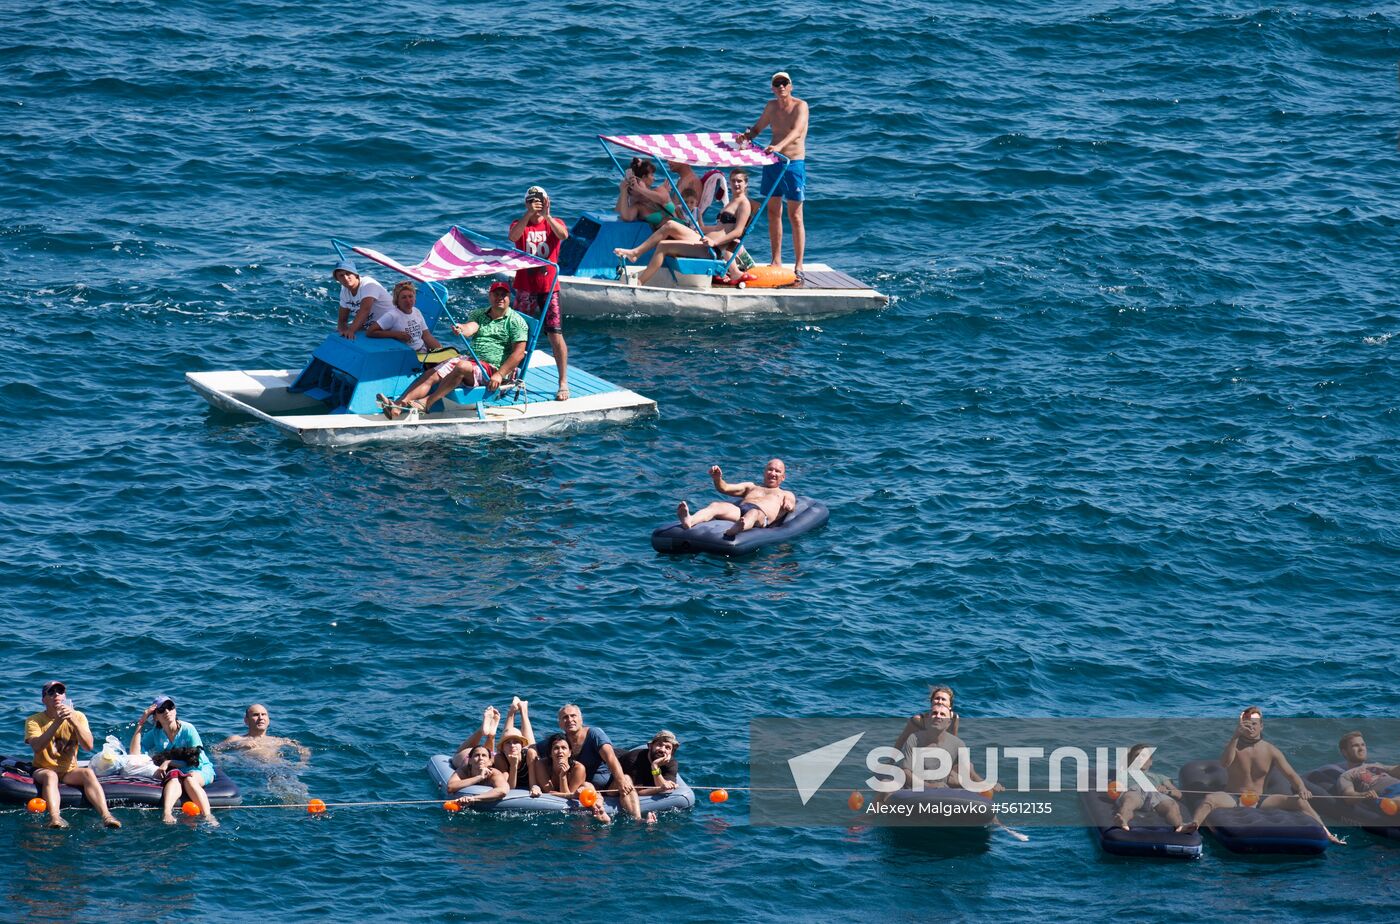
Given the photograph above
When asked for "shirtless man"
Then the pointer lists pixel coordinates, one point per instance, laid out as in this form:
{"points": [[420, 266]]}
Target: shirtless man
{"points": [[258, 744], [788, 117], [1248, 758], [759, 505], [1363, 779]]}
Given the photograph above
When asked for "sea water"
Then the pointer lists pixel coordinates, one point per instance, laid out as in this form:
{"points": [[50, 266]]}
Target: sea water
{"points": [[1123, 444]]}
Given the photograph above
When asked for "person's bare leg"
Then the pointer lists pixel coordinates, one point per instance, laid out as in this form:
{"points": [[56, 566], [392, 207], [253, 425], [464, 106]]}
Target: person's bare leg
{"points": [[665, 231], [561, 361], [48, 785], [421, 386], [194, 786], [1209, 804], [1304, 806], [1128, 803], [747, 521], [719, 510], [667, 249], [1170, 809], [775, 230], [92, 789], [167, 800], [799, 234], [449, 384], [630, 803]]}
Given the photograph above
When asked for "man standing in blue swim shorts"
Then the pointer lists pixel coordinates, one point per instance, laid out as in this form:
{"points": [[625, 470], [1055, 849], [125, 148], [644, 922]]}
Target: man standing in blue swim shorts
{"points": [[787, 115]]}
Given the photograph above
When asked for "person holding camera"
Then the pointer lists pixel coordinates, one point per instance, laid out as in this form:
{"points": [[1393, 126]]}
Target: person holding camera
{"points": [[56, 734], [539, 234]]}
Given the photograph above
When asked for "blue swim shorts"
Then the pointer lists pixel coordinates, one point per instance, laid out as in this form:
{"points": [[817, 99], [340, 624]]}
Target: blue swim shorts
{"points": [[793, 188]]}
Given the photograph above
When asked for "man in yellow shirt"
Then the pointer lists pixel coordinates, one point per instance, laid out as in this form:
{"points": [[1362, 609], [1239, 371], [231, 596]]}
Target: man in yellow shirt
{"points": [[55, 734]]}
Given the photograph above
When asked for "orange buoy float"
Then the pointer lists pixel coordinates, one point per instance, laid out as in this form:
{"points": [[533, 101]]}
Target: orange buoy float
{"points": [[719, 795], [315, 806], [1249, 799], [769, 277], [1389, 806], [190, 808], [452, 805], [587, 795], [1113, 791], [989, 793], [856, 801], [36, 805]]}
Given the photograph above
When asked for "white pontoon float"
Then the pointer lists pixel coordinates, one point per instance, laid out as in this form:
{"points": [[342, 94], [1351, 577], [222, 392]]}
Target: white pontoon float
{"points": [[593, 284], [332, 400]]}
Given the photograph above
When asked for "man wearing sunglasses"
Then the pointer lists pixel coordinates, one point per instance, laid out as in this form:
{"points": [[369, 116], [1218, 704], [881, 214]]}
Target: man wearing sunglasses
{"points": [[56, 734], [787, 115]]}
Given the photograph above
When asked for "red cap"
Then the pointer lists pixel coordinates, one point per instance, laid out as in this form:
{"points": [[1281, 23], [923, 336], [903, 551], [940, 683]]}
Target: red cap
{"points": [[499, 286]]}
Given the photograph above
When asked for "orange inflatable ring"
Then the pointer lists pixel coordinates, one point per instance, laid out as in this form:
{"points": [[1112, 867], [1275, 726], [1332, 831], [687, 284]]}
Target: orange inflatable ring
{"points": [[770, 277]]}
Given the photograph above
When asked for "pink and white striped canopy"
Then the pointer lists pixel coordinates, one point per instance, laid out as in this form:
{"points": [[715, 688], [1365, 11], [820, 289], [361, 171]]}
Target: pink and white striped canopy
{"points": [[456, 256], [700, 149]]}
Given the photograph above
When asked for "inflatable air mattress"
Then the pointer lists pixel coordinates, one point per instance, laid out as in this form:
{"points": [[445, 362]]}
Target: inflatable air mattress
{"points": [[1148, 834], [709, 537], [16, 785], [1252, 830], [1362, 813], [519, 800], [940, 807]]}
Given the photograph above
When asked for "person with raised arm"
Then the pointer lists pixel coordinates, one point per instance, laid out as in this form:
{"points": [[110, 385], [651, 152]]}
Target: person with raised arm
{"points": [[55, 734], [758, 505], [1247, 759], [539, 233], [178, 753]]}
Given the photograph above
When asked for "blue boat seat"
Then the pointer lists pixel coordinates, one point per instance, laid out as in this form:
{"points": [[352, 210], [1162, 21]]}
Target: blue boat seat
{"points": [[694, 266]]}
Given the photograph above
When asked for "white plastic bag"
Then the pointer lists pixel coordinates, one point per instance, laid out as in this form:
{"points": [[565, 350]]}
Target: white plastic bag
{"points": [[110, 759]]}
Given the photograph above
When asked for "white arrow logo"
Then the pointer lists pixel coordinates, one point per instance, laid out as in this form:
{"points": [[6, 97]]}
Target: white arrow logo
{"points": [[810, 770]]}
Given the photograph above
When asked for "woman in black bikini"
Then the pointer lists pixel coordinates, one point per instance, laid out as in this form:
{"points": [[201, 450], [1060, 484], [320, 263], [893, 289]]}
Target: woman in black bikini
{"points": [[675, 239]]}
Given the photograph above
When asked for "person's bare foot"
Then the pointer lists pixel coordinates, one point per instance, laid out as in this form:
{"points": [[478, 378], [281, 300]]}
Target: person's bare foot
{"points": [[168, 818], [776, 261], [732, 532], [651, 818], [1191, 827], [1120, 821], [111, 822], [623, 253], [683, 514], [57, 823], [1341, 841], [601, 814], [211, 820]]}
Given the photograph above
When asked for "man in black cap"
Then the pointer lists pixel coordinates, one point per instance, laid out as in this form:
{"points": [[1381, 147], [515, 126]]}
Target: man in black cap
{"points": [[56, 734]]}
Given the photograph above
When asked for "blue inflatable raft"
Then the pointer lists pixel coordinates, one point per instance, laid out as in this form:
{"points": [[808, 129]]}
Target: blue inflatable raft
{"points": [[17, 785], [1365, 814], [1252, 830], [519, 800], [1148, 834], [709, 537]]}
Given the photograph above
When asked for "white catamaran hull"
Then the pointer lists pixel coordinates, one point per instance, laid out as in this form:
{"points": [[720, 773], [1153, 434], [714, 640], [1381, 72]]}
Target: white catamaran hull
{"points": [[585, 297], [264, 394]]}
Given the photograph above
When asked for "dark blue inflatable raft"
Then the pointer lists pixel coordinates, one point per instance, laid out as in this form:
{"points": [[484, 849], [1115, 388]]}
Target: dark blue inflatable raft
{"points": [[1365, 814], [17, 785], [709, 537], [1148, 834], [1252, 830]]}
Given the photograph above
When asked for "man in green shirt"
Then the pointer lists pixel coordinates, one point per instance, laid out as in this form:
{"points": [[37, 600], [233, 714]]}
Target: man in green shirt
{"points": [[498, 336]]}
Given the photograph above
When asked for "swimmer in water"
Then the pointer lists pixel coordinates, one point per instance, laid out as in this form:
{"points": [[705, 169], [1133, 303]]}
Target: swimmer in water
{"points": [[258, 744]]}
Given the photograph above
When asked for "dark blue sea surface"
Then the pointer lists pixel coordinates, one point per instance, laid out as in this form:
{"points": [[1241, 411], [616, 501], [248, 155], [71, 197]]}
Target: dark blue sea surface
{"points": [[1124, 443]]}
